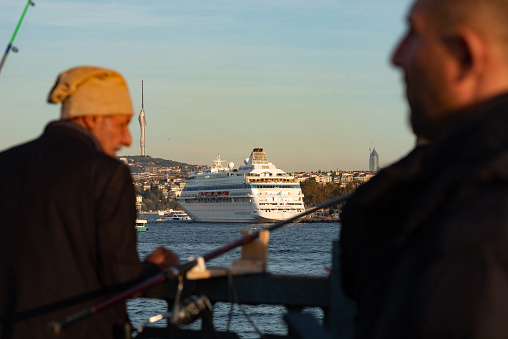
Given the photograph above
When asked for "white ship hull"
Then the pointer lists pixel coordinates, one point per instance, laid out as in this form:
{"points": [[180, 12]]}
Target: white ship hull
{"points": [[234, 212], [221, 212], [255, 193]]}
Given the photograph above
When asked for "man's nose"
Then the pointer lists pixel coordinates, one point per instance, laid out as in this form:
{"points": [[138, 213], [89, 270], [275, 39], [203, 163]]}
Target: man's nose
{"points": [[126, 138], [398, 52]]}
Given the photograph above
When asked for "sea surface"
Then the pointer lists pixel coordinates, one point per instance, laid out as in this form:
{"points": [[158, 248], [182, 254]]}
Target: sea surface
{"points": [[294, 249]]}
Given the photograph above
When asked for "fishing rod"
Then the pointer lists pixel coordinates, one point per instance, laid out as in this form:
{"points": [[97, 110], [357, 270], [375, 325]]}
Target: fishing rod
{"points": [[10, 46], [174, 272]]}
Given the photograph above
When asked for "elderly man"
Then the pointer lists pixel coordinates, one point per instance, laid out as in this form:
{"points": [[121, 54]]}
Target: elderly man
{"points": [[425, 243], [69, 212]]}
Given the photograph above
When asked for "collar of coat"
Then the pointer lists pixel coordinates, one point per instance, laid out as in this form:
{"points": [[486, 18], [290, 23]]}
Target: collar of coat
{"points": [[68, 127]]}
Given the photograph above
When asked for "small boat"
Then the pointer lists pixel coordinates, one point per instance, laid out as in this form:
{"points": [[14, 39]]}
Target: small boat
{"points": [[175, 216], [141, 225]]}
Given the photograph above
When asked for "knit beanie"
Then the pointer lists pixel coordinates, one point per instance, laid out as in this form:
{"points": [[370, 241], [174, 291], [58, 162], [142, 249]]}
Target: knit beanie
{"points": [[90, 90]]}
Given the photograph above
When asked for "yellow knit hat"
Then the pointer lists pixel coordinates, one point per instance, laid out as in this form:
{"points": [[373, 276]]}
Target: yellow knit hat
{"points": [[90, 90]]}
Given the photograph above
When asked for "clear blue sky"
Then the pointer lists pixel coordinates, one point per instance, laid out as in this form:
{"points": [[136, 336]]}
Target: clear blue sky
{"points": [[308, 81]]}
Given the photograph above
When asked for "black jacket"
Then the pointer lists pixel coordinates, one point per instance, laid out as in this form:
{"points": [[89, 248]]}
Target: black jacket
{"points": [[68, 213], [424, 244]]}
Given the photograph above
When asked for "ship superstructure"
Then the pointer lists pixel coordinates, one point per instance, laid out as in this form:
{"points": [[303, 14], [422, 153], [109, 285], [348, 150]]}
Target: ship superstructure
{"points": [[255, 192]]}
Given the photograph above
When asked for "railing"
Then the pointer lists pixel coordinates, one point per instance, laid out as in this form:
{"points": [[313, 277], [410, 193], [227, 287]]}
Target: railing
{"points": [[292, 291]]}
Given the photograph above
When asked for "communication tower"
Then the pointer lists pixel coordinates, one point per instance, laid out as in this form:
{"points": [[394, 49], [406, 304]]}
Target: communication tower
{"points": [[142, 122]]}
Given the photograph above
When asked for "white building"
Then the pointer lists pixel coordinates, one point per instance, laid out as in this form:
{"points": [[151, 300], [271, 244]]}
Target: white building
{"points": [[139, 202], [374, 161]]}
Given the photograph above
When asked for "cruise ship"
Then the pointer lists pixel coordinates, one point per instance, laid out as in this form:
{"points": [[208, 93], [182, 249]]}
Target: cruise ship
{"points": [[255, 192]]}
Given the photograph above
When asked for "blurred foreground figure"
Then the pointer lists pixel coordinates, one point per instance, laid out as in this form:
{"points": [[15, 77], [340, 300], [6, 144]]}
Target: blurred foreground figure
{"points": [[425, 243], [69, 211]]}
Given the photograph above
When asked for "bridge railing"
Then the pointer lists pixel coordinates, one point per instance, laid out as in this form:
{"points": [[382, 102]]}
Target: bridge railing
{"points": [[295, 292]]}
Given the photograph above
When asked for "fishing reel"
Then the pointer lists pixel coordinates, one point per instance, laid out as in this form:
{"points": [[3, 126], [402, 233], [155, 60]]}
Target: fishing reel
{"points": [[186, 312], [190, 310]]}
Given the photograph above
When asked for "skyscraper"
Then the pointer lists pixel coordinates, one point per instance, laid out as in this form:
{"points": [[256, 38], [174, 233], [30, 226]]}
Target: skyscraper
{"points": [[374, 161], [142, 122]]}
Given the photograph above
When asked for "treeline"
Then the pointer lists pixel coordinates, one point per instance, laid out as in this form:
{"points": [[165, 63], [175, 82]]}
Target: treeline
{"points": [[138, 163], [314, 194], [317, 193], [154, 200], [146, 160]]}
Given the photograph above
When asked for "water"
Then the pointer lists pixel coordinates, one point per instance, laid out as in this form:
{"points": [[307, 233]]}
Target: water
{"points": [[294, 249]]}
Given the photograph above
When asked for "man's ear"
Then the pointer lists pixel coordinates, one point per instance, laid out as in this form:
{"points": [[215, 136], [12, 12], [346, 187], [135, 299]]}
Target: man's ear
{"points": [[467, 51], [89, 122]]}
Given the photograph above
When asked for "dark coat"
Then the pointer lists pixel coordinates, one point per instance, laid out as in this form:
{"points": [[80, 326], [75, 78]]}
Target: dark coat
{"points": [[67, 229], [424, 244]]}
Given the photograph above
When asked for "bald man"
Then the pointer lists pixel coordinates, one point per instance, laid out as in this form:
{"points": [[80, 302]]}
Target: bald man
{"points": [[424, 244], [69, 213]]}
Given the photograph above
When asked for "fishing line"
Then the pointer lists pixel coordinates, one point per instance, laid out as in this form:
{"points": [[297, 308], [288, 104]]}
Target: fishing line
{"points": [[234, 301]]}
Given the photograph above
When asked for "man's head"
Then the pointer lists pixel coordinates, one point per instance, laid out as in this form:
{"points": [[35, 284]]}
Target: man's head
{"points": [[97, 99], [454, 55]]}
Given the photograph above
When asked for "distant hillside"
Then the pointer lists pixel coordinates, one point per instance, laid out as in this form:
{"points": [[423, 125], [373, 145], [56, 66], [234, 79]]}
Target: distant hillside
{"points": [[148, 161], [138, 164]]}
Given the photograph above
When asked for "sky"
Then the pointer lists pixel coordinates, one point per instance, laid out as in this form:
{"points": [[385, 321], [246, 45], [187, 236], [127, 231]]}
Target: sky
{"points": [[310, 82]]}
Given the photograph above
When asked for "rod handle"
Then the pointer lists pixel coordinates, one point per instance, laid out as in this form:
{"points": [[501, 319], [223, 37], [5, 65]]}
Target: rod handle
{"points": [[55, 327]]}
